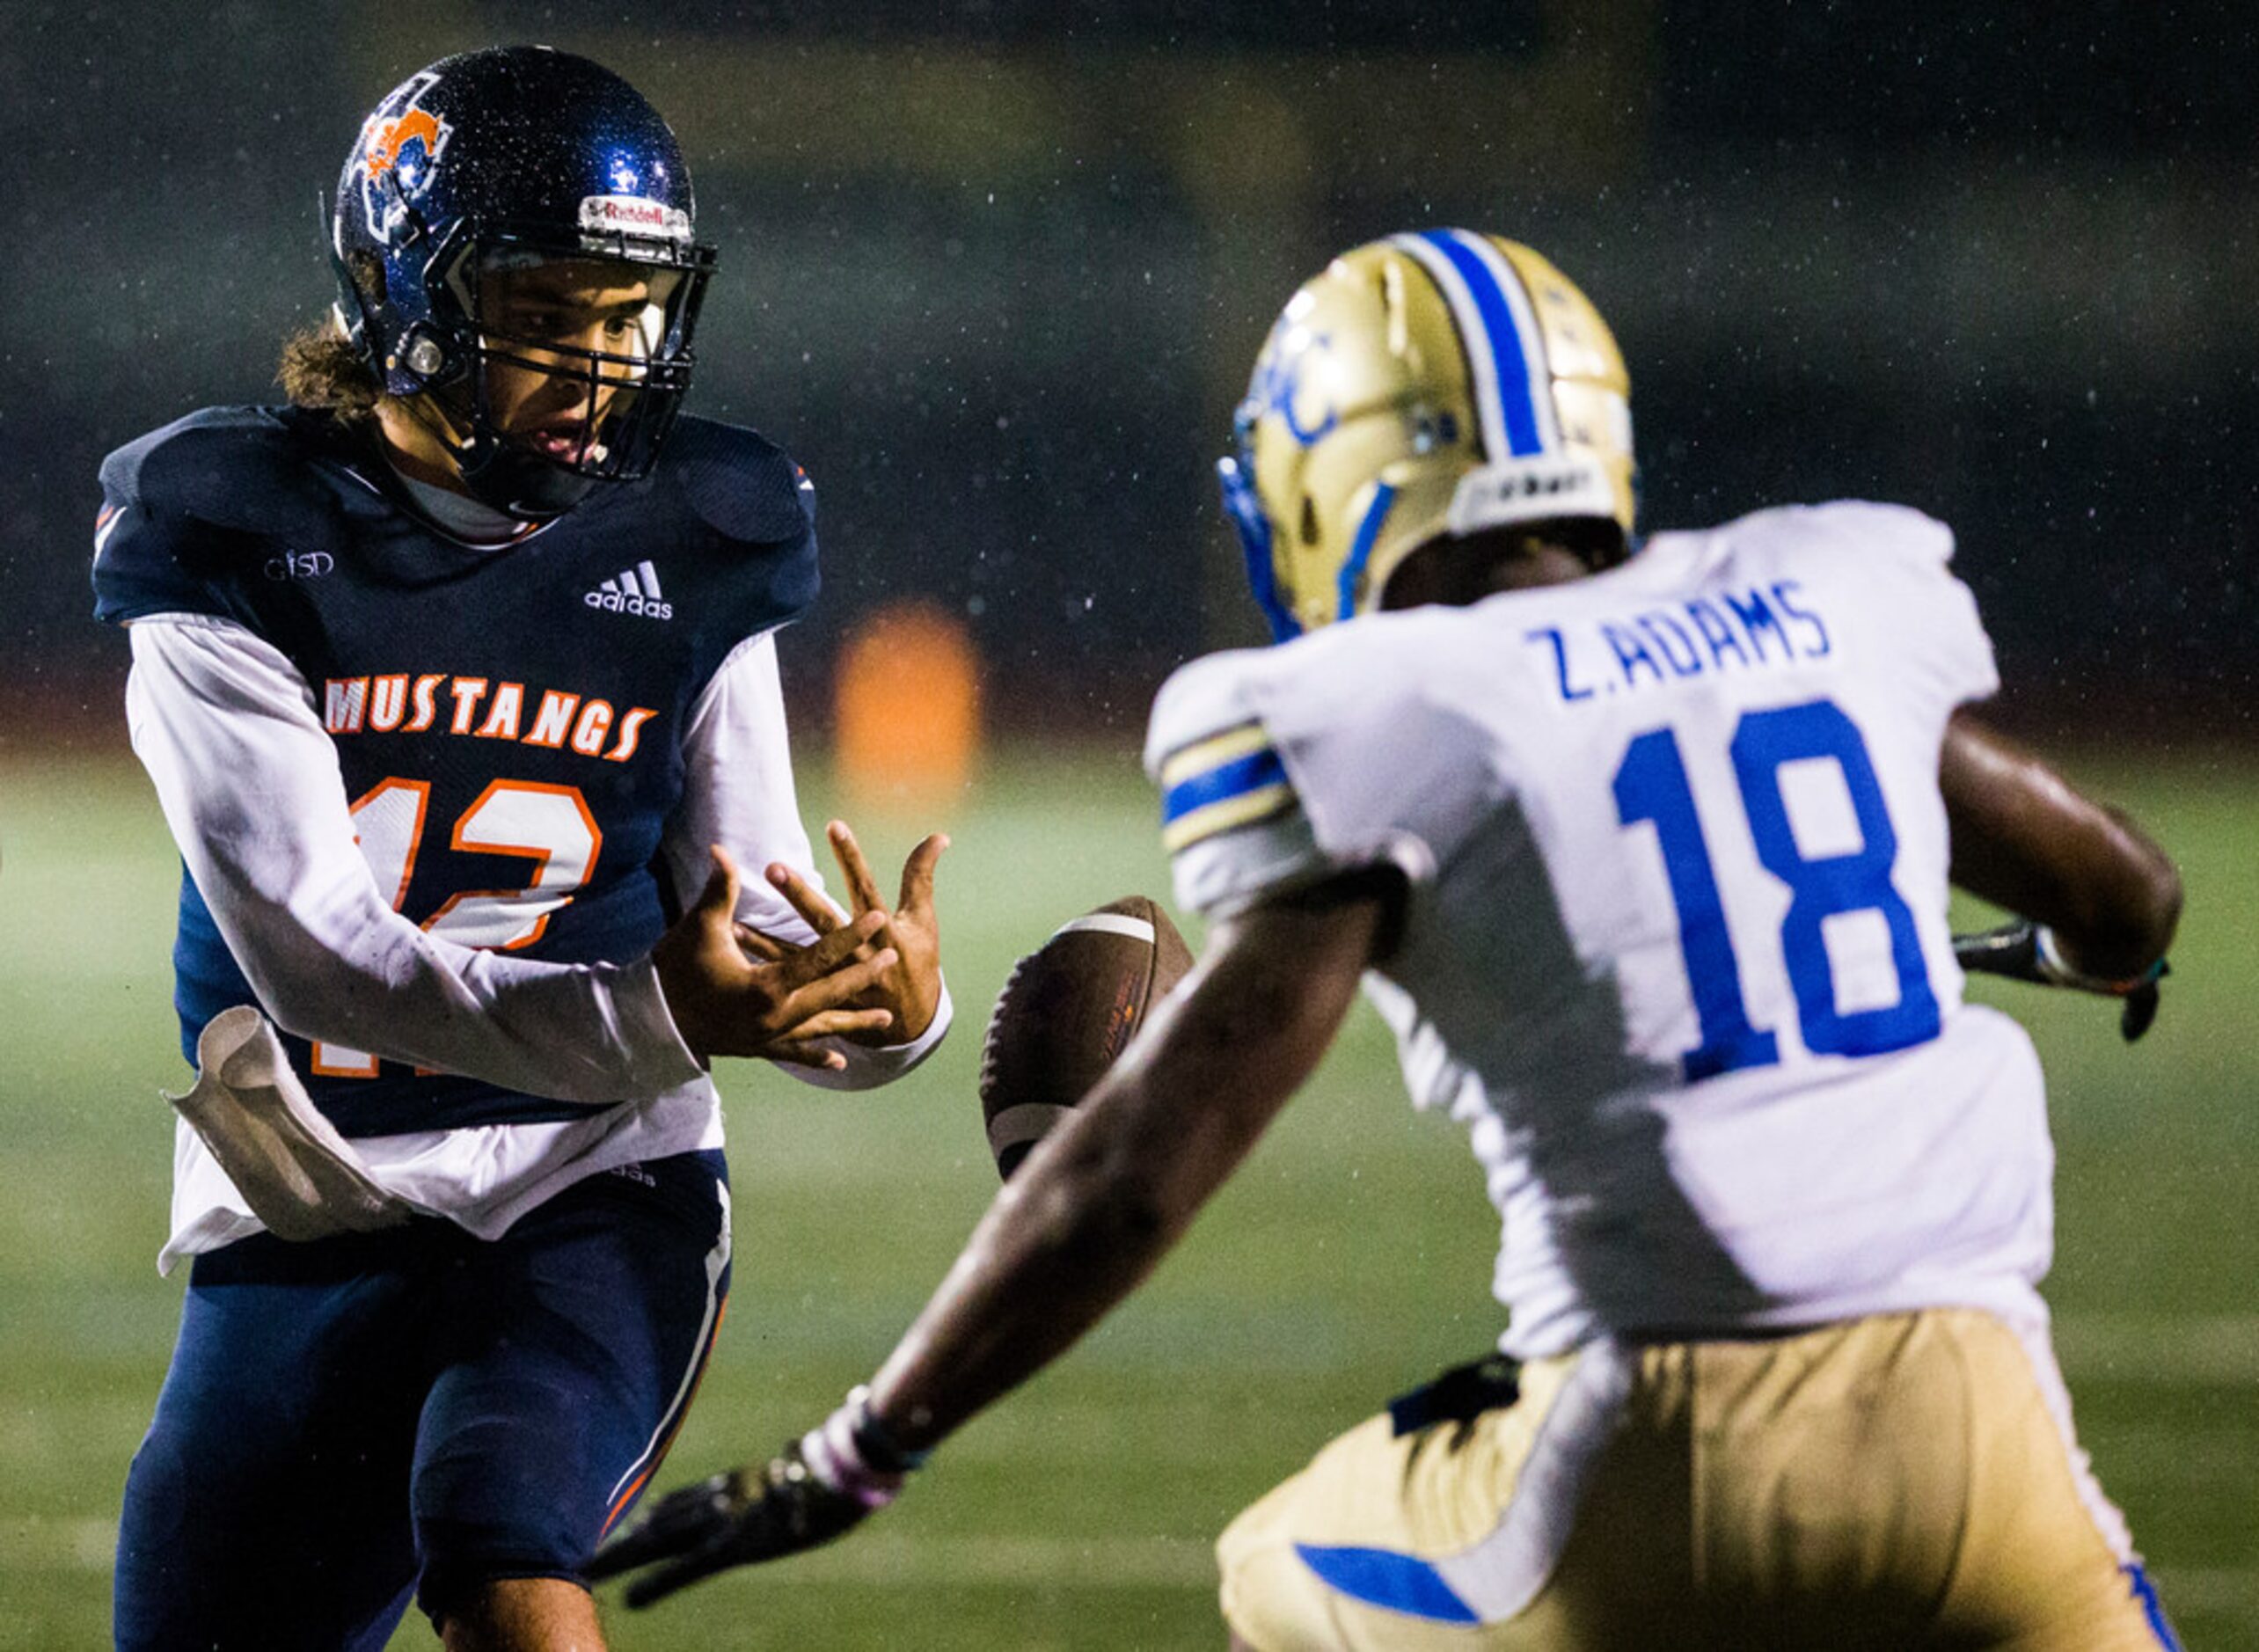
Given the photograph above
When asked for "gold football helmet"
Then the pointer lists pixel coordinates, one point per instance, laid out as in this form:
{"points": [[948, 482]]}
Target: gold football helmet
{"points": [[1435, 383]]}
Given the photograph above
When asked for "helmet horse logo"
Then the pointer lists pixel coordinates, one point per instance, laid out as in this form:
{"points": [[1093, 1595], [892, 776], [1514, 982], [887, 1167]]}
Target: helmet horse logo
{"points": [[403, 143], [1278, 384]]}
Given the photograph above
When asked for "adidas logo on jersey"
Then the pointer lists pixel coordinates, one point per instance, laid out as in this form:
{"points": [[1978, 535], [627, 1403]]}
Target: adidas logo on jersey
{"points": [[633, 591]]}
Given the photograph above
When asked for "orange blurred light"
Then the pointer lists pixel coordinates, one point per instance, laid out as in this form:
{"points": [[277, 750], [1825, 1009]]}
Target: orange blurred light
{"points": [[907, 726]]}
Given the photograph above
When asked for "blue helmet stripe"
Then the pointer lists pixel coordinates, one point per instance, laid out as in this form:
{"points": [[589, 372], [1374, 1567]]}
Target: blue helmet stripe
{"points": [[1243, 507], [1360, 550], [1497, 330]]}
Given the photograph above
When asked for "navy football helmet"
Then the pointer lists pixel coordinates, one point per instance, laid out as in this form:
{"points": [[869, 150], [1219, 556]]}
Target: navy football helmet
{"points": [[520, 216]]}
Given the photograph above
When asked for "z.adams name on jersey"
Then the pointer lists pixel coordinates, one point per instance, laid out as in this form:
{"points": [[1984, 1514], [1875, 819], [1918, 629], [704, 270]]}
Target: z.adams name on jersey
{"points": [[1756, 628]]}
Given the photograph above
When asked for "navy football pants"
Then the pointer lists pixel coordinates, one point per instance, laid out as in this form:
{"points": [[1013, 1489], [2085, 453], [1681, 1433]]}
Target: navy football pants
{"points": [[345, 1418]]}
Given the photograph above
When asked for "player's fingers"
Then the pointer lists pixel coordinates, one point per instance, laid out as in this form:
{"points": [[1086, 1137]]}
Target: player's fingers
{"points": [[682, 1520], [648, 1540], [805, 899], [662, 1581], [917, 875], [829, 953], [839, 1023], [862, 888], [2140, 1011], [717, 903], [766, 947], [840, 987]]}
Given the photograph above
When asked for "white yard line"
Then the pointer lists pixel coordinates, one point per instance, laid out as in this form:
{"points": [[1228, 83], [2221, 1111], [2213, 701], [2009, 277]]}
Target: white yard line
{"points": [[1089, 1563], [1089, 1566], [2214, 1591], [2161, 1349], [2217, 1350], [1147, 1562]]}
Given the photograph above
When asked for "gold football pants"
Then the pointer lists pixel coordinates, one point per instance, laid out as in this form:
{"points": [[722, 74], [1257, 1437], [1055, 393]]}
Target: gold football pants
{"points": [[1903, 1480]]}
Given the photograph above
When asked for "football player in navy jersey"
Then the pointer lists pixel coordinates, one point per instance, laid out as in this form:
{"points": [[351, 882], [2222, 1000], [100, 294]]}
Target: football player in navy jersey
{"points": [[457, 681]]}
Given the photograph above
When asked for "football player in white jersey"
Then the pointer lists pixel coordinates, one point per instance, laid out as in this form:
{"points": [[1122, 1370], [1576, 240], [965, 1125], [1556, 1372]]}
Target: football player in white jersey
{"points": [[1643, 851]]}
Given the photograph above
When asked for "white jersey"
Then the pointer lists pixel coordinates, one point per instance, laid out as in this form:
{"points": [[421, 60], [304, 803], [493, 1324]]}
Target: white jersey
{"points": [[1677, 950]]}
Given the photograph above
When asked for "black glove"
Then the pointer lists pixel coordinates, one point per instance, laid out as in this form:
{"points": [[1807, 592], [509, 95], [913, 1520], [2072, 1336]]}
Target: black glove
{"points": [[735, 1519], [2026, 951]]}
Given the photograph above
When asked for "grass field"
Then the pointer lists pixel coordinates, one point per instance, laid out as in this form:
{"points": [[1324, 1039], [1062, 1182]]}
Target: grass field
{"points": [[1348, 1260]]}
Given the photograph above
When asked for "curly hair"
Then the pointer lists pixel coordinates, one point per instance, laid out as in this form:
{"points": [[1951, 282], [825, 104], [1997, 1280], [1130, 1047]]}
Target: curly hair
{"points": [[322, 369]]}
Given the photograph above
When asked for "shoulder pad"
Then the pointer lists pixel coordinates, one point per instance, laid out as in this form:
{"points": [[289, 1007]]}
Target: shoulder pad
{"points": [[739, 483], [186, 508], [1867, 526], [745, 515], [1202, 698], [243, 469], [1277, 768], [1900, 529]]}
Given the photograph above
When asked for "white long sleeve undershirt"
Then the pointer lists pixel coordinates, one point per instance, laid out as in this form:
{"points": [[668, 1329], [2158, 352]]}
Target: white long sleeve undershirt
{"points": [[250, 785]]}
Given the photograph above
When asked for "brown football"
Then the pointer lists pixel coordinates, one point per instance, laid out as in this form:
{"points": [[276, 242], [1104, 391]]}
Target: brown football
{"points": [[1067, 1010]]}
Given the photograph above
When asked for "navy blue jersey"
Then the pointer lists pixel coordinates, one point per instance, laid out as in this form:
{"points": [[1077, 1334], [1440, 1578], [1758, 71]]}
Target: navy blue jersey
{"points": [[508, 722]]}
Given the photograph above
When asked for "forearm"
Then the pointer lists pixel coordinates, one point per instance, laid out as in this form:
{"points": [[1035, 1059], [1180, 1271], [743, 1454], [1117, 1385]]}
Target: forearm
{"points": [[1087, 1217], [1072, 1234], [249, 784], [2026, 839], [354, 974], [1105, 1197]]}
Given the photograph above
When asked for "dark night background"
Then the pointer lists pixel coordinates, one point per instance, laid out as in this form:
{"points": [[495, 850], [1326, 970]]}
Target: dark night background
{"points": [[996, 273]]}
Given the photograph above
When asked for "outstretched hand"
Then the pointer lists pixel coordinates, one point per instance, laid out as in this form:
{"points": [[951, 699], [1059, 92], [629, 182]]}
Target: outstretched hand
{"points": [[776, 1005], [908, 988], [745, 1515], [2026, 951], [820, 1486]]}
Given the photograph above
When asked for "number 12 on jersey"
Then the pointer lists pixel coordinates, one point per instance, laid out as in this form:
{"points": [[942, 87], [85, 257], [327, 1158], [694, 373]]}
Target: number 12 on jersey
{"points": [[1651, 788], [549, 825]]}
